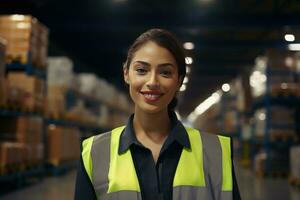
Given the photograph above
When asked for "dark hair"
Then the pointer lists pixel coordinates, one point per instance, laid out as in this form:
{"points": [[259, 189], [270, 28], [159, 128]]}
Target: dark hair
{"points": [[164, 39]]}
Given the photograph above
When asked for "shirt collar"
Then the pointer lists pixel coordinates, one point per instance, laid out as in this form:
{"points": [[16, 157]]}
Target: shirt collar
{"points": [[178, 133]]}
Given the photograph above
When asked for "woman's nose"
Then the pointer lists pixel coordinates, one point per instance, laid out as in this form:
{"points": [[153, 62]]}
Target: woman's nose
{"points": [[153, 81]]}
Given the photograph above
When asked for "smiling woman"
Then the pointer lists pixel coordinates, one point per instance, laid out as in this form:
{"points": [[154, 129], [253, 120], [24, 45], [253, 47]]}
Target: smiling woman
{"points": [[154, 156]]}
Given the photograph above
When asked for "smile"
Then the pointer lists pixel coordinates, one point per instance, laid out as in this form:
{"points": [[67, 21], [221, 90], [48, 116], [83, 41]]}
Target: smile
{"points": [[151, 97]]}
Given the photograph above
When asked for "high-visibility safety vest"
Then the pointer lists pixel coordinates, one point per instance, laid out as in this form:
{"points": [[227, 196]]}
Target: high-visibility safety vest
{"points": [[203, 172]]}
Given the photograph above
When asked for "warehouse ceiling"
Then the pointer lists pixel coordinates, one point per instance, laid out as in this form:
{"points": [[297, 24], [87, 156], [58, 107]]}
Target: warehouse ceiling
{"points": [[228, 34]]}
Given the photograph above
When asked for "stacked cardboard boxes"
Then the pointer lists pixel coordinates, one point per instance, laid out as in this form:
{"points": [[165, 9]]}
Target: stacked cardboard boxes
{"points": [[59, 80], [63, 144], [295, 162], [278, 115], [2, 72], [21, 134], [27, 39], [29, 89], [12, 156]]}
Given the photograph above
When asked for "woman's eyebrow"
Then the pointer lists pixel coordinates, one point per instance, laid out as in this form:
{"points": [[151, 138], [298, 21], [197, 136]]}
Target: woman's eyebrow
{"points": [[142, 62], [160, 65], [166, 65]]}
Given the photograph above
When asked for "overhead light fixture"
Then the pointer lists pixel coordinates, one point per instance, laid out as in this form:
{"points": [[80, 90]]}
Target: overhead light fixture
{"points": [[294, 47], [188, 60], [185, 80], [289, 37], [188, 69], [204, 106], [226, 87], [262, 116], [182, 88], [188, 45]]}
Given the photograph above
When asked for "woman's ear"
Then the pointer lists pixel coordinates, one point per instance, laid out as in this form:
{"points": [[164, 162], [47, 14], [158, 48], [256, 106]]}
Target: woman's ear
{"points": [[126, 74]]}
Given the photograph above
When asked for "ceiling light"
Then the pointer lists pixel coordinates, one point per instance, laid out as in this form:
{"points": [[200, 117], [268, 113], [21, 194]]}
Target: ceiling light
{"points": [[188, 60], [289, 37], [294, 47], [262, 116], [182, 88], [226, 87], [185, 80], [188, 69], [188, 45]]}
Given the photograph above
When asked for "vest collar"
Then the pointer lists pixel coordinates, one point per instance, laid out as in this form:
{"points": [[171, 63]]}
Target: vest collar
{"points": [[178, 134]]}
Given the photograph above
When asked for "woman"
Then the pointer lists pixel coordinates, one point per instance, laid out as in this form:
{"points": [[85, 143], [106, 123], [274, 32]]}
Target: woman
{"points": [[154, 156]]}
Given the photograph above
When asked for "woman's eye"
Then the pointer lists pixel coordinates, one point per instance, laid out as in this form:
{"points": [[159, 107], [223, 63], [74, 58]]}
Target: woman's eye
{"points": [[166, 73], [141, 71]]}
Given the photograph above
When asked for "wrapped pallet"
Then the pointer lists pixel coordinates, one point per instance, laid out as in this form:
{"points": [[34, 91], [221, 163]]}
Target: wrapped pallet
{"points": [[88, 84], [278, 115], [25, 36], [63, 144], [33, 88], [281, 80], [12, 156], [55, 102], [25, 130], [59, 72]]}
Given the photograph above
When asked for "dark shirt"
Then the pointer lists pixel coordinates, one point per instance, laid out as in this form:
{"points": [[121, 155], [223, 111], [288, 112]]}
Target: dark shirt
{"points": [[155, 179]]}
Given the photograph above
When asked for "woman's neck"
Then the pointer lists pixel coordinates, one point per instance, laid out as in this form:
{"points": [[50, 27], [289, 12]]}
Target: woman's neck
{"points": [[154, 126]]}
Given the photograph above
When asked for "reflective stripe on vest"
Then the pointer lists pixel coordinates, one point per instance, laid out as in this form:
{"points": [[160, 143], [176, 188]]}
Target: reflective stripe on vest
{"points": [[204, 172]]}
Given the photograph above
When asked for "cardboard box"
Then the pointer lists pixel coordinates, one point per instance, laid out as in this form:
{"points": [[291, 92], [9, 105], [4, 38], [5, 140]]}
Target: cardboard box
{"points": [[2, 56], [55, 101], [59, 72], [25, 130], [26, 36], [11, 153], [62, 144], [3, 92], [33, 87]]}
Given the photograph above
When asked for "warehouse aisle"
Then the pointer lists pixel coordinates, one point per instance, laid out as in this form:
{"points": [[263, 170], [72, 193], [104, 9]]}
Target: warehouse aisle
{"points": [[62, 188], [253, 188]]}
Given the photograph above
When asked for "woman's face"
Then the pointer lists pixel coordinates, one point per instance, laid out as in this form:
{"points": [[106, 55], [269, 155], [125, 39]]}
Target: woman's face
{"points": [[152, 77]]}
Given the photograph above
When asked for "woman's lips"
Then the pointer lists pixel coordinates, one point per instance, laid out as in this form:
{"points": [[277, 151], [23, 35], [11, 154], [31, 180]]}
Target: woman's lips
{"points": [[151, 96]]}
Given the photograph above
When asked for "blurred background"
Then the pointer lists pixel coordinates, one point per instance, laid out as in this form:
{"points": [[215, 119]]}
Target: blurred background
{"points": [[61, 81]]}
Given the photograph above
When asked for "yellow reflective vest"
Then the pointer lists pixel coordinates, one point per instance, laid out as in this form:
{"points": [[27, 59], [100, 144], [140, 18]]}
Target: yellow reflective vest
{"points": [[203, 172]]}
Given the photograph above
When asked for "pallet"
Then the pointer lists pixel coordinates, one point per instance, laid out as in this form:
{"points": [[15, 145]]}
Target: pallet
{"points": [[12, 168], [61, 167], [24, 60], [54, 115], [284, 137], [294, 181], [14, 106], [275, 92], [17, 58]]}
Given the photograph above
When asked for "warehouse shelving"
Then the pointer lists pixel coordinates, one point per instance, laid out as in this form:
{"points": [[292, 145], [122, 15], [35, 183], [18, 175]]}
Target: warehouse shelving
{"points": [[39, 171], [29, 69], [225, 100], [266, 101]]}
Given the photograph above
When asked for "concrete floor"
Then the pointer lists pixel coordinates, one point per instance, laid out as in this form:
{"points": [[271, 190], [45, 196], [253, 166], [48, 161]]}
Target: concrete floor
{"points": [[251, 188]]}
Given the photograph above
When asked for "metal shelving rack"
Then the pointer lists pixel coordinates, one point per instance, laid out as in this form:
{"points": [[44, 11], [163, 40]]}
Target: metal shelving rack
{"points": [[39, 172], [266, 101]]}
